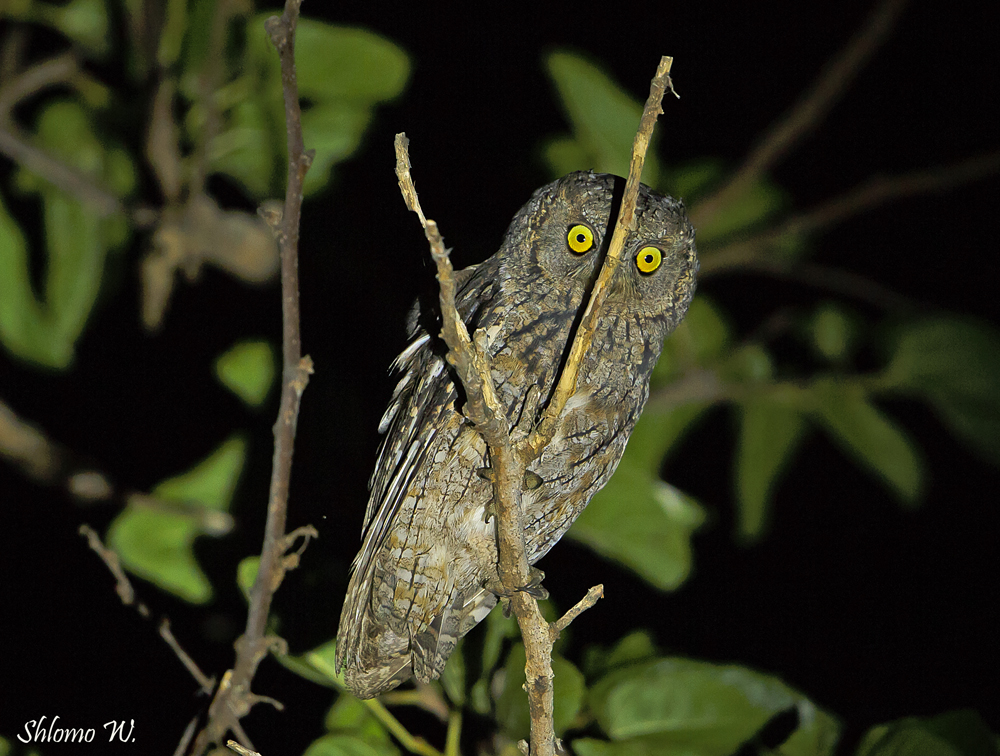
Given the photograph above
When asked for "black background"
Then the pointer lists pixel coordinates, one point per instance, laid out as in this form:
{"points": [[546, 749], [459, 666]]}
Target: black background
{"points": [[873, 612]]}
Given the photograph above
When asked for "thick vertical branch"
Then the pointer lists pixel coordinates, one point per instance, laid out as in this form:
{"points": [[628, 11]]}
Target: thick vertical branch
{"points": [[512, 450], [234, 699]]}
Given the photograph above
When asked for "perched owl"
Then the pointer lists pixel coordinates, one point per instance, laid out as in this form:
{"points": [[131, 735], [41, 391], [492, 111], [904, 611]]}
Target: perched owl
{"points": [[429, 550]]}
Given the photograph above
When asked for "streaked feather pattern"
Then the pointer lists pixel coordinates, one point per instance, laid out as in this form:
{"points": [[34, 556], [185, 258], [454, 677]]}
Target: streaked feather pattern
{"points": [[418, 583]]}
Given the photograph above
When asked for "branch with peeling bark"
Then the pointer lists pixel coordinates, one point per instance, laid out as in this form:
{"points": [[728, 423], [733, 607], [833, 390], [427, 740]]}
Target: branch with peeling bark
{"points": [[511, 450]]}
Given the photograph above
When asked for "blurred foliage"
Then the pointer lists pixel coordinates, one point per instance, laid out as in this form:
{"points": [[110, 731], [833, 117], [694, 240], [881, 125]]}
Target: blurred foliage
{"points": [[248, 370], [77, 241], [951, 364], [342, 74], [222, 114], [156, 543]]}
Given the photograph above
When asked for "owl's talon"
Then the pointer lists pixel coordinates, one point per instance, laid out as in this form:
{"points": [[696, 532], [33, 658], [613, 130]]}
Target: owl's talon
{"points": [[532, 480], [506, 606], [534, 587]]}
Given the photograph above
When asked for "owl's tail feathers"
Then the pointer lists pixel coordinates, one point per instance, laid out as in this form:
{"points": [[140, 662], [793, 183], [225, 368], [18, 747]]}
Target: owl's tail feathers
{"points": [[373, 681], [374, 658], [432, 647]]}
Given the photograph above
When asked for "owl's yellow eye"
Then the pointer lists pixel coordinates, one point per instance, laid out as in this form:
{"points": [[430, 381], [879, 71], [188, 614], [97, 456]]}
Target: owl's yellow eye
{"points": [[648, 259], [580, 239]]}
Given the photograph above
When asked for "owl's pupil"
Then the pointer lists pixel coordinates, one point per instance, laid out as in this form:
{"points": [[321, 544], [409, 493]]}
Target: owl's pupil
{"points": [[649, 258], [581, 239]]}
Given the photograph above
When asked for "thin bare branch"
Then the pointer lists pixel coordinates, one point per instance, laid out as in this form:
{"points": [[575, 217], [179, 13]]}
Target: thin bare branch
{"points": [[508, 459], [786, 133], [127, 595], [57, 70], [45, 461], [207, 683], [15, 146], [593, 596], [482, 403], [185, 740], [232, 745], [123, 586], [28, 447], [625, 223], [423, 696], [233, 698]]}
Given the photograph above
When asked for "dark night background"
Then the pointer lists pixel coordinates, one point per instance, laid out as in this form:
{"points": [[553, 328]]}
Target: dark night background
{"points": [[873, 612]]}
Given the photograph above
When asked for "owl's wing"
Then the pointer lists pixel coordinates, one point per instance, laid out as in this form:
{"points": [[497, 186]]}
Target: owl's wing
{"points": [[427, 386], [425, 392]]}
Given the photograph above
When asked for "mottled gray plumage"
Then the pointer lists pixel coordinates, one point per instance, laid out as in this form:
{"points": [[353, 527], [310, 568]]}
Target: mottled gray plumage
{"points": [[418, 581]]}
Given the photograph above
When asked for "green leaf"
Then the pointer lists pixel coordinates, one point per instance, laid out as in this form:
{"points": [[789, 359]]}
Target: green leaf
{"points": [[751, 363], [565, 155], [955, 365], [350, 716], [637, 519], [247, 369], [246, 574], [693, 179], [453, 677], [22, 325], [635, 647], [956, 733], [701, 708], [83, 21], [337, 744], [832, 332], [77, 242], [701, 339], [770, 432], [604, 119], [342, 74], [512, 704], [318, 665], [243, 149], [752, 209], [498, 629], [869, 436], [157, 544], [594, 747]]}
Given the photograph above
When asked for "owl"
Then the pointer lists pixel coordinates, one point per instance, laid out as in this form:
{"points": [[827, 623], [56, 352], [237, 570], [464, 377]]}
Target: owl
{"points": [[429, 547]]}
